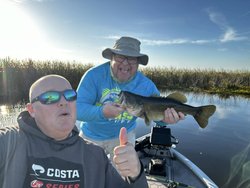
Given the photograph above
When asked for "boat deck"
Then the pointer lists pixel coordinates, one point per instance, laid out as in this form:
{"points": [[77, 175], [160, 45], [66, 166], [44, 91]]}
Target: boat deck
{"points": [[176, 171]]}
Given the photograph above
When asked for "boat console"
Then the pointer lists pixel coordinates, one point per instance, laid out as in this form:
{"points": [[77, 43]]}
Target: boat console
{"points": [[164, 166]]}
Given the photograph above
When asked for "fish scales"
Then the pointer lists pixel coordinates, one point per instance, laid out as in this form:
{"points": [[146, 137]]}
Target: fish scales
{"points": [[152, 108]]}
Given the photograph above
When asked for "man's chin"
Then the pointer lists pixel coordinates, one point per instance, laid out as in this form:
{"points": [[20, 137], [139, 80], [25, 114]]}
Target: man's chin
{"points": [[67, 125], [123, 79]]}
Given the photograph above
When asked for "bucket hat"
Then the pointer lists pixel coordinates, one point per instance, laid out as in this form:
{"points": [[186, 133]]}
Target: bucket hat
{"points": [[126, 46]]}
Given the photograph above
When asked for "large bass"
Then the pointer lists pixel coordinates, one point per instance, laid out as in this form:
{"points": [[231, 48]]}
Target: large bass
{"points": [[152, 108]]}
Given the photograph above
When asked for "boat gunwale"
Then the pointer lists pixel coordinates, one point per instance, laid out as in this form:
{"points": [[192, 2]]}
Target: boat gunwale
{"points": [[189, 164]]}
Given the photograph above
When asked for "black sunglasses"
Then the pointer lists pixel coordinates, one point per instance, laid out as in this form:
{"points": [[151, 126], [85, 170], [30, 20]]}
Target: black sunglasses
{"points": [[131, 60], [51, 97]]}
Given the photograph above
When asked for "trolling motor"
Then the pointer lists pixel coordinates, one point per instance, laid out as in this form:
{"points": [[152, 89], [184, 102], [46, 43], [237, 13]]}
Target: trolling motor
{"points": [[157, 147], [160, 139]]}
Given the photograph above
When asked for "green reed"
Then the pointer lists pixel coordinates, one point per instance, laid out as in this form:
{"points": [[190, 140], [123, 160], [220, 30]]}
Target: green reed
{"points": [[16, 77], [21, 74], [209, 80]]}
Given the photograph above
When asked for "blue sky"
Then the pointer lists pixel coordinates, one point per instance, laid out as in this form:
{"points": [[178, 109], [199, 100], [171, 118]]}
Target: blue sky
{"points": [[179, 33]]}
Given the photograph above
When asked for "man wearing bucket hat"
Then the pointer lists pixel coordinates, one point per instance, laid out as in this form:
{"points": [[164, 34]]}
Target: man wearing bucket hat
{"points": [[98, 92]]}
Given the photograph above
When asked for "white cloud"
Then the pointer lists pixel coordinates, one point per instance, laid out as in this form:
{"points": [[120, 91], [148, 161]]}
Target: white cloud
{"points": [[222, 49], [230, 34], [244, 14], [202, 41], [155, 42], [163, 42], [112, 37]]}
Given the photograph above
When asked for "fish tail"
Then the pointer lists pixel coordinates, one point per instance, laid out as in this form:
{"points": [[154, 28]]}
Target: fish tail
{"points": [[205, 113]]}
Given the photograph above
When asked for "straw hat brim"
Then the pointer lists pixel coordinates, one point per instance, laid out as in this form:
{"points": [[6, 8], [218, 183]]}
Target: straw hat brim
{"points": [[107, 53]]}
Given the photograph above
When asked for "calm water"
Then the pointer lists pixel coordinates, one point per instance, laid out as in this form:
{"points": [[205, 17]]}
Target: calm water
{"points": [[221, 150]]}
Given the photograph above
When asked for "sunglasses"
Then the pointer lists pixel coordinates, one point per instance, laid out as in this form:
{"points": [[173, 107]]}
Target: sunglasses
{"points": [[51, 97], [130, 60]]}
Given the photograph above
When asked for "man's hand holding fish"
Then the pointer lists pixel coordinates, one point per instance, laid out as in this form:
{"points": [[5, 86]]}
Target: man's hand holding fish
{"points": [[111, 110], [172, 117]]}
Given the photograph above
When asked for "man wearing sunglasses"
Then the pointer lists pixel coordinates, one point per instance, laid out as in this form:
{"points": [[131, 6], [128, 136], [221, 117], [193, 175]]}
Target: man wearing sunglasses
{"points": [[98, 92], [45, 149]]}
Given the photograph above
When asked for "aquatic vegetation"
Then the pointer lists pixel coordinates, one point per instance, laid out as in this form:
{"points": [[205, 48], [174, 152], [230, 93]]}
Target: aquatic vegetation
{"points": [[16, 77], [222, 81], [21, 74]]}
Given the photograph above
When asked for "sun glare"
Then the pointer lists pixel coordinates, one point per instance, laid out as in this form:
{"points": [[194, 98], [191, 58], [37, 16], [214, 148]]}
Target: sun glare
{"points": [[3, 110], [19, 35]]}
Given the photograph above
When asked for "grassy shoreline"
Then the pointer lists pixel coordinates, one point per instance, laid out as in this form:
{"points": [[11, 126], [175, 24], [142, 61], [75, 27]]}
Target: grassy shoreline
{"points": [[16, 77]]}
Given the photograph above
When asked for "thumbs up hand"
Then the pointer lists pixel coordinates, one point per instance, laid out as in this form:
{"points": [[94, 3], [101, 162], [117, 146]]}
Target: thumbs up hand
{"points": [[126, 158], [123, 136]]}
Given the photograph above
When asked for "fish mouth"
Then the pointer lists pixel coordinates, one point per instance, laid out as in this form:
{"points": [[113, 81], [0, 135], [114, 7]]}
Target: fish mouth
{"points": [[141, 112], [121, 100]]}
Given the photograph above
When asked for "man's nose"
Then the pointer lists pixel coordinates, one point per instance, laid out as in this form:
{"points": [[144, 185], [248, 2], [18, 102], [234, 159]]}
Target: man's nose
{"points": [[62, 101], [125, 61]]}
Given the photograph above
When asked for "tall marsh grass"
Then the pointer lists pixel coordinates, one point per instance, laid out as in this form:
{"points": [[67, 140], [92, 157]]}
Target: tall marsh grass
{"points": [[211, 80], [16, 77]]}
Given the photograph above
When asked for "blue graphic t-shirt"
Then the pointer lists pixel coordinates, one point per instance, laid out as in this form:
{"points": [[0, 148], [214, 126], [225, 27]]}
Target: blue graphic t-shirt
{"points": [[98, 88]]}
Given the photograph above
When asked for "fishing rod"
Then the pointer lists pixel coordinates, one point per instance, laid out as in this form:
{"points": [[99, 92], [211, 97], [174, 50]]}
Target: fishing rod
{"points": [[175, 184]]}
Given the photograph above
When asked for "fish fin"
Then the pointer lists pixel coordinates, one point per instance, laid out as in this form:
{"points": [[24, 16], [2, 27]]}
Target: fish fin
{"points": [[178, 96], [205, 114], [145, 117], [155, 95]]}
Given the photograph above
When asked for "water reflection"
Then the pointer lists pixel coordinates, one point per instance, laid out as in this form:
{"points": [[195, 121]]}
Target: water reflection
{"points": [[3, 110], [8, 114], [204, 98], [221, 150]]}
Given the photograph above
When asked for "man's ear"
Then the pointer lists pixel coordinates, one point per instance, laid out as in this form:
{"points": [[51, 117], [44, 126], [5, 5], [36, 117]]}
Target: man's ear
{"points": [[31, 110]]}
